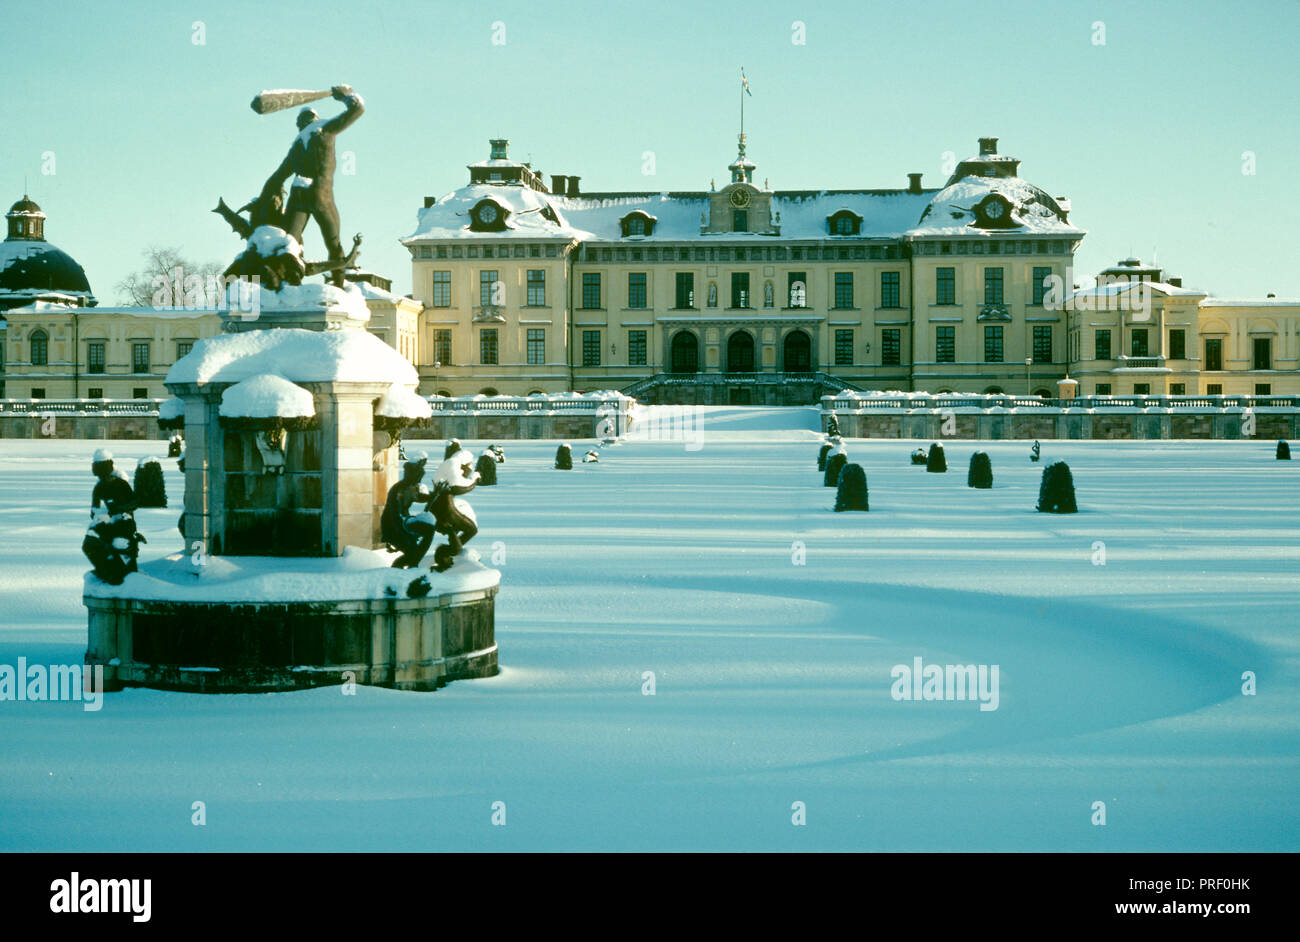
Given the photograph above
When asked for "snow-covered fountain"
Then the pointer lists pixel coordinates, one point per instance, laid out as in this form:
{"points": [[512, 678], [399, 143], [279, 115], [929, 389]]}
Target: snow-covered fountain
{"points": [[291, 448], [291, 418]]}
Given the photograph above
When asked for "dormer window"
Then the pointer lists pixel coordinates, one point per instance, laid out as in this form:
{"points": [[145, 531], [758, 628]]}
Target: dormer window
{"points": [[488, 216], [638, 223], [844, 222], [739, 220]]}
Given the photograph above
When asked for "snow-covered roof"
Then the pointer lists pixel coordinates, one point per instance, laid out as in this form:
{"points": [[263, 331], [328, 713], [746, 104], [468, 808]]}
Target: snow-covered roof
{"points": [[300, 356], [951, 210], [266, 396], [1251, 302], [171, 409]]}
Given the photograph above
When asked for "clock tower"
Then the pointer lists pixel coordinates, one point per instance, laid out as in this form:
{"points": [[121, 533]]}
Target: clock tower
{"points": [[740, 206]]}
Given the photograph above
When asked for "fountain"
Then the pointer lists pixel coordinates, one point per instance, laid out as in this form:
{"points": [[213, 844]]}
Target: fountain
{"points": [[291, 420]]}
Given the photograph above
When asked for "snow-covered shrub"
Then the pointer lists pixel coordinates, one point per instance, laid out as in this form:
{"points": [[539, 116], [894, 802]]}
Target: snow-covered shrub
{"points": [[487, 469], [821, 457], [852, 493], [1283, 451], [453, 446], [981, 471], [150, 490], [564, 458], [832, 426], [935, 462], [919, 456], [1056, 493], [834, 465]]}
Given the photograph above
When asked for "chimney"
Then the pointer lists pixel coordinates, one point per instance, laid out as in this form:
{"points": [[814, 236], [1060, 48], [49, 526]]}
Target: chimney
{"points": [[988, 145], [1176, 282], [573, 186], [429, 201], [558, 183], [1272, 295], [499, 145], [914, 183]]}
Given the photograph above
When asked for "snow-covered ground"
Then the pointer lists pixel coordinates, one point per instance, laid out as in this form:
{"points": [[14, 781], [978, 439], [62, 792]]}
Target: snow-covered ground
{"points": [[1119, 683]]}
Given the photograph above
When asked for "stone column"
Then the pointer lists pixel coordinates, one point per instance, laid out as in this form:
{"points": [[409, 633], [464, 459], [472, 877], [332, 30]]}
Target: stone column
{"points": [[346, 413]]}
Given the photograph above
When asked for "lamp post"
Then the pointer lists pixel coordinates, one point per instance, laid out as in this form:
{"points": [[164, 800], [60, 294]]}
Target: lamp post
{"points": [[1029, 383]]}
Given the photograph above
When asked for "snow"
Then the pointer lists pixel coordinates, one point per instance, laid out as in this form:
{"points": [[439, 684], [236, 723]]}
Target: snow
{"points": [[264, 396], [951, 211], [313, 294], [269, 241], [171, 409], [452, 471], [300, 356], [401, 402], [357, 574], [1118, 682]]}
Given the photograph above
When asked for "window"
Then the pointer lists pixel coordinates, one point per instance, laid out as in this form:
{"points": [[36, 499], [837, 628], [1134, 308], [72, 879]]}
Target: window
{"points": [[536, 342], [38, 392], [636, 225], [442, 346], [591, 290], [95, 357], [945, 344], [844, 225], [40, 342], [844, 289], [1103, 389], [740, 289], [1263, 389], [739, 220], [889, 291], [1177, 344], [183, 348], [797, 288], [1138, 343], [1042, 343], [442, 289], [636, 294], [945, 286], [536, 287], [1263, 353], [489, 295], [993, 286], [1101, 344], [591, 348], [1213, 353], [1040, 283], [1177, 389], [1214, 389], [843, 348], [95, 392], [685, 289], [1141, 389], [487, 346], [890, 346], [140, 358], [636, 348], [992, 344]]}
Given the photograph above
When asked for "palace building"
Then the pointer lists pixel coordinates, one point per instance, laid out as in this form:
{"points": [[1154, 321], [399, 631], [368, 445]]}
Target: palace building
{"points": [[702, 296], [745, 293]]}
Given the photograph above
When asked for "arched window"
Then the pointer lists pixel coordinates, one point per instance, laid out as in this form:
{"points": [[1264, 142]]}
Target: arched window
{"points": [[488, 391], [684, 353], [797, 352], [40, 342], [740, 352]]}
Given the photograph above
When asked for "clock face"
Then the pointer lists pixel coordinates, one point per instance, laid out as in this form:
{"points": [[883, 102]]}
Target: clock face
{"points": [[994, 209], [487, 213], [740, 198]]}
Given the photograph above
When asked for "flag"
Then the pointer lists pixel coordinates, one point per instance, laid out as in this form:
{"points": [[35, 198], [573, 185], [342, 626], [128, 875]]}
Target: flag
{"points": [[744, 83]]}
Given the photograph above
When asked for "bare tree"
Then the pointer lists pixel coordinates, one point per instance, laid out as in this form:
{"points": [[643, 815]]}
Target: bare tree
{"points": [[168, 279]]}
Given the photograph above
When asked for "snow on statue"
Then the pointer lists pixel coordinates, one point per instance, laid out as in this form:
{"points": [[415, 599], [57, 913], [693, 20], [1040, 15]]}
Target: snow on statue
{"points": [[455, 517], [111, 543]]}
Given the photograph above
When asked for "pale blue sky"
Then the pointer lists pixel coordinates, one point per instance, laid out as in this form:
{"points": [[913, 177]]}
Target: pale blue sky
{"points": [[1145, 133]]}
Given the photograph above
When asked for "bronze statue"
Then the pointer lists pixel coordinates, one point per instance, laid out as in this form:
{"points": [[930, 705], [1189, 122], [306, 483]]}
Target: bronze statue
{"points": [[310, 162]]}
